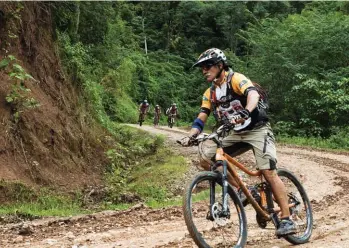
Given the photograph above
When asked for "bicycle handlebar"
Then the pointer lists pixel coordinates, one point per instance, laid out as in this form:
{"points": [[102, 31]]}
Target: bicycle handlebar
{"points": [[196, 140]]}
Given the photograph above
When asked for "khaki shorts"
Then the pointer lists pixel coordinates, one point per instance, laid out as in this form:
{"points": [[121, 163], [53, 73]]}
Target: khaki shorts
{"points": [[262, 141]]}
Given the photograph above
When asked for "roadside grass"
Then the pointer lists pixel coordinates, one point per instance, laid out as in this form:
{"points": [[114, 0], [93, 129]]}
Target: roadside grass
{"points": [[154, 178], [140, 166], [150, 181], [54, 206], [335, 144], [21, 200]]}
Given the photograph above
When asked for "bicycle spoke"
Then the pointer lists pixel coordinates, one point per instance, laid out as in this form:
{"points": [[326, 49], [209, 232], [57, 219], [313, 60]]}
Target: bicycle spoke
{"points": [[215, 230], [300, 209]]}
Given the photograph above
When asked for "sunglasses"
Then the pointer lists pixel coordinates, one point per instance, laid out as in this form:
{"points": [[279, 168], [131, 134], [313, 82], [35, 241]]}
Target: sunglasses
{"points": [[206, 66]]}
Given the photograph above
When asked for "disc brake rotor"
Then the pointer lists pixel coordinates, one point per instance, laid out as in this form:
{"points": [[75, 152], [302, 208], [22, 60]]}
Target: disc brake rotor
{"points": [[216, 214]]}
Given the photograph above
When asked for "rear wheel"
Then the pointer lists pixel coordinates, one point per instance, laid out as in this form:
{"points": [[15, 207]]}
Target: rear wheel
{"points": [[141, 119], [210, 227], [301, 212], [156, 120], [172, 122]]}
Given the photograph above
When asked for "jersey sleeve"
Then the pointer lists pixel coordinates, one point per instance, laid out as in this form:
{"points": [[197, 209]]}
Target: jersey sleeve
{"points": [[206, 102], [241, 83]]}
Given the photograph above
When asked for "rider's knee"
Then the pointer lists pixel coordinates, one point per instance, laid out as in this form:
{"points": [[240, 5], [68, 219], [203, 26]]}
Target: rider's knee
{"points": [[270, 173]]}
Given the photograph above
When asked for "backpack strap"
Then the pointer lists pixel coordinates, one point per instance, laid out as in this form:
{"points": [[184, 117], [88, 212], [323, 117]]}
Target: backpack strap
{"points": [[229, 83], [213, 98]]}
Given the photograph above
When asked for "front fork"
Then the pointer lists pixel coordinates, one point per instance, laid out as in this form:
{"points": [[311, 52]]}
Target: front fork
{"points": [[225, 210]]}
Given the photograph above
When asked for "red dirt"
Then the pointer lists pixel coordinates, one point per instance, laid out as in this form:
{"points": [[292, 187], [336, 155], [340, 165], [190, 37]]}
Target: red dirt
{"points": [[53, 144]]}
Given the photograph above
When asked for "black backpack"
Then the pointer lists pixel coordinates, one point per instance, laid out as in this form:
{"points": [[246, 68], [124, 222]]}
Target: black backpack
{"points": [[263, 94]]}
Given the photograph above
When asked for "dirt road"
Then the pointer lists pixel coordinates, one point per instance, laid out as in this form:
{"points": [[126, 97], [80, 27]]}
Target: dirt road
{"points": [[324, 175]]}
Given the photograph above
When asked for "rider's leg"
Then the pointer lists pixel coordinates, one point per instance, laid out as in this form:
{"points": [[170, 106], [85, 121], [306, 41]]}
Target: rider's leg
{"points": [[206, 166], [263, 142], [279, 191]]}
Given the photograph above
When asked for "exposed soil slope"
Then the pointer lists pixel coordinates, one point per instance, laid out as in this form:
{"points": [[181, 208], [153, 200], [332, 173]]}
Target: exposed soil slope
{"points": [[325, 177], [53, 144]]}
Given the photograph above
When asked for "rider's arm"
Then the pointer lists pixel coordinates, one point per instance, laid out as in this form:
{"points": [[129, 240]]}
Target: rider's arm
{"points": [[198, 124], [243, 86], [147, 108], [252, 100]]}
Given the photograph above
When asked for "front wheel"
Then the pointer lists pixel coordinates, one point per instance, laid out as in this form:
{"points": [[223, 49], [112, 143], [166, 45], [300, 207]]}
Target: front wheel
{"points": [[206, 223], [172, 122], [300, 210], [141, 119]]}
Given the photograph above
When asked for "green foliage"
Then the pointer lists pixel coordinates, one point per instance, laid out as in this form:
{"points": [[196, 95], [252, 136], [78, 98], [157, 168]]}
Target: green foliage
{"points": [[125, 157], [298, 59], [19, 97], [337, 141], [154, 178], [325, 104], [294, 49]]}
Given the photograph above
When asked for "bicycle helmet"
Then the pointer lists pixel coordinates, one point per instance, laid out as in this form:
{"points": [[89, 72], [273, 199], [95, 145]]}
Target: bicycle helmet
{"points": [[212, 55], [173, 104], [145, 101]]}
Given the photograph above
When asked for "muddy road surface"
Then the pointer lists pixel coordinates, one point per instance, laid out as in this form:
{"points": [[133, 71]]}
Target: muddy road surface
{"points": [[325, 176]]}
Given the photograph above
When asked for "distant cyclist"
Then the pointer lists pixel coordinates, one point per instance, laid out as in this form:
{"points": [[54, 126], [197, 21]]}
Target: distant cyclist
{"points": [[157, 114], [172, 113], [143, 110]]}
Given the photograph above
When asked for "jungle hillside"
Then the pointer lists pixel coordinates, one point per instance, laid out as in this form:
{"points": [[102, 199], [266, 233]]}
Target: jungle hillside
{"points": [[73, 73]]}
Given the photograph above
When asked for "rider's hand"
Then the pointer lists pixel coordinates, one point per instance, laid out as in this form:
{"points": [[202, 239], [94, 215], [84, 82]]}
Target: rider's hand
{"points": [[240, 116], [189, 140], [186, 141]]}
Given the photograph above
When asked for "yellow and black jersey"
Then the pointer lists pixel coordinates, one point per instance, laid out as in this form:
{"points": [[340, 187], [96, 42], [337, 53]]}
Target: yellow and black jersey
{"points": [[239, 85], [234, 87]]}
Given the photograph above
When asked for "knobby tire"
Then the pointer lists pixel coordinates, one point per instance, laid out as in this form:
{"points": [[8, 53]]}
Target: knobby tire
{"points": [[203, 239], [302, 236]]}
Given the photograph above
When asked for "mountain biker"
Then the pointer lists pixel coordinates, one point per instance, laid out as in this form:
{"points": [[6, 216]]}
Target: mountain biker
{"points": [[233, 98], [143, 109], [157, 114], [172, 111]]}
